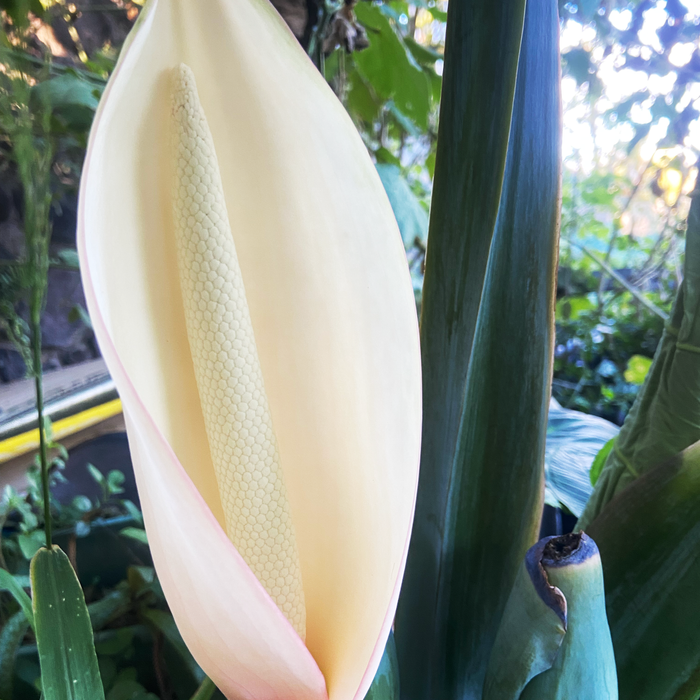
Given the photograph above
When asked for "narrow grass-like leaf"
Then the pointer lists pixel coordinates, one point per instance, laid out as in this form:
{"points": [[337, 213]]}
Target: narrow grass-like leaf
{"points": [[665, 417], [480, 493], [11, 636], [649, 539], [69, 668], [9, 583], [385, 685], [554, 642]]}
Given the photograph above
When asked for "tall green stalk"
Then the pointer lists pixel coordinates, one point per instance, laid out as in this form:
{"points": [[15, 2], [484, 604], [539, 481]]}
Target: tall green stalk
{"points": [[39, 389], [32, 151], [487, 334]]}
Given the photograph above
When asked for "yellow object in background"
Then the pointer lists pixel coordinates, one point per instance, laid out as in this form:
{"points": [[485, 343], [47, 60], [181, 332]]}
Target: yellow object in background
{"points": [[671, 181], [29, 441]]}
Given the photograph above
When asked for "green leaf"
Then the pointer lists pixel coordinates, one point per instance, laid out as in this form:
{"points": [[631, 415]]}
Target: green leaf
{"points": [[10, 583], [439, 15], [570, 308], [665, 417], [385, 685], [599, 461], [649, 538], [359, 99], [126, 687], [69, 668], [637, 369], [573, 441], [111, 606], [70, 96], [425, 55], [390, 68], [31, 542], [554, 642], [384, 155], [410, 215], [96, 474], [205, 691], [485, 381], [11, 636], [135, 533]]}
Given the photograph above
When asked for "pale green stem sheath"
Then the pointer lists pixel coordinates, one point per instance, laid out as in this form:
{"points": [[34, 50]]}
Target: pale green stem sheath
{"points": [[554, 642], [227, 368]]}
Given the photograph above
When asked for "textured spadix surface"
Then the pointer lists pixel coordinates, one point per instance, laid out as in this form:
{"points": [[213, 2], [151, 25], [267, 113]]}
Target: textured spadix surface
{"points": [[331, 308], [225, 358]]}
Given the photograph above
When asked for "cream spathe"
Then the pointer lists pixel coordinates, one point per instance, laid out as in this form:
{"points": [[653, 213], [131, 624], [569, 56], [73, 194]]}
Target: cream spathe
{"points": [[331, 308]]}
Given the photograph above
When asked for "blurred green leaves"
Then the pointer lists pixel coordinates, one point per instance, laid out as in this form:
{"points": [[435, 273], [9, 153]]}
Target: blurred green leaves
{"points": [[665, 419], [410, 215], [390, 68], [637, 369]]}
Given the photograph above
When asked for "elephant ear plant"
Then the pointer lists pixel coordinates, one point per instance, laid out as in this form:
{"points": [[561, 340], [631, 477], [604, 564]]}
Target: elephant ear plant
{"points": [[247, 284]]}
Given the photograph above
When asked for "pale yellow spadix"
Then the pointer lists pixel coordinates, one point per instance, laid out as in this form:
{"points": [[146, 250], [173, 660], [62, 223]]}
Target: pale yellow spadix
{"points": [[234, 403], [330, 303]]}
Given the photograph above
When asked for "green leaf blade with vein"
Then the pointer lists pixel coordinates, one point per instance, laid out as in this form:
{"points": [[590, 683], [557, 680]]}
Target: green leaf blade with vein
{"points": [[479, 500], [649, 538], [67, 656]]}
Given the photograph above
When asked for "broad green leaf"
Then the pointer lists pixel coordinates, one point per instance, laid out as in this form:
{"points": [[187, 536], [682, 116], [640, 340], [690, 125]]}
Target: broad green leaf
{"points": [[637, 369], [599, 461], [69, 668], [10, 583], [70, 96], [390, 68], [649, 539], [574, 440], [665, 417], [31, 542], [554, 642], [385, 685], [425, 55], [410, 215], [485, 383], [69, 89], [11, 636], [359, 99]]}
